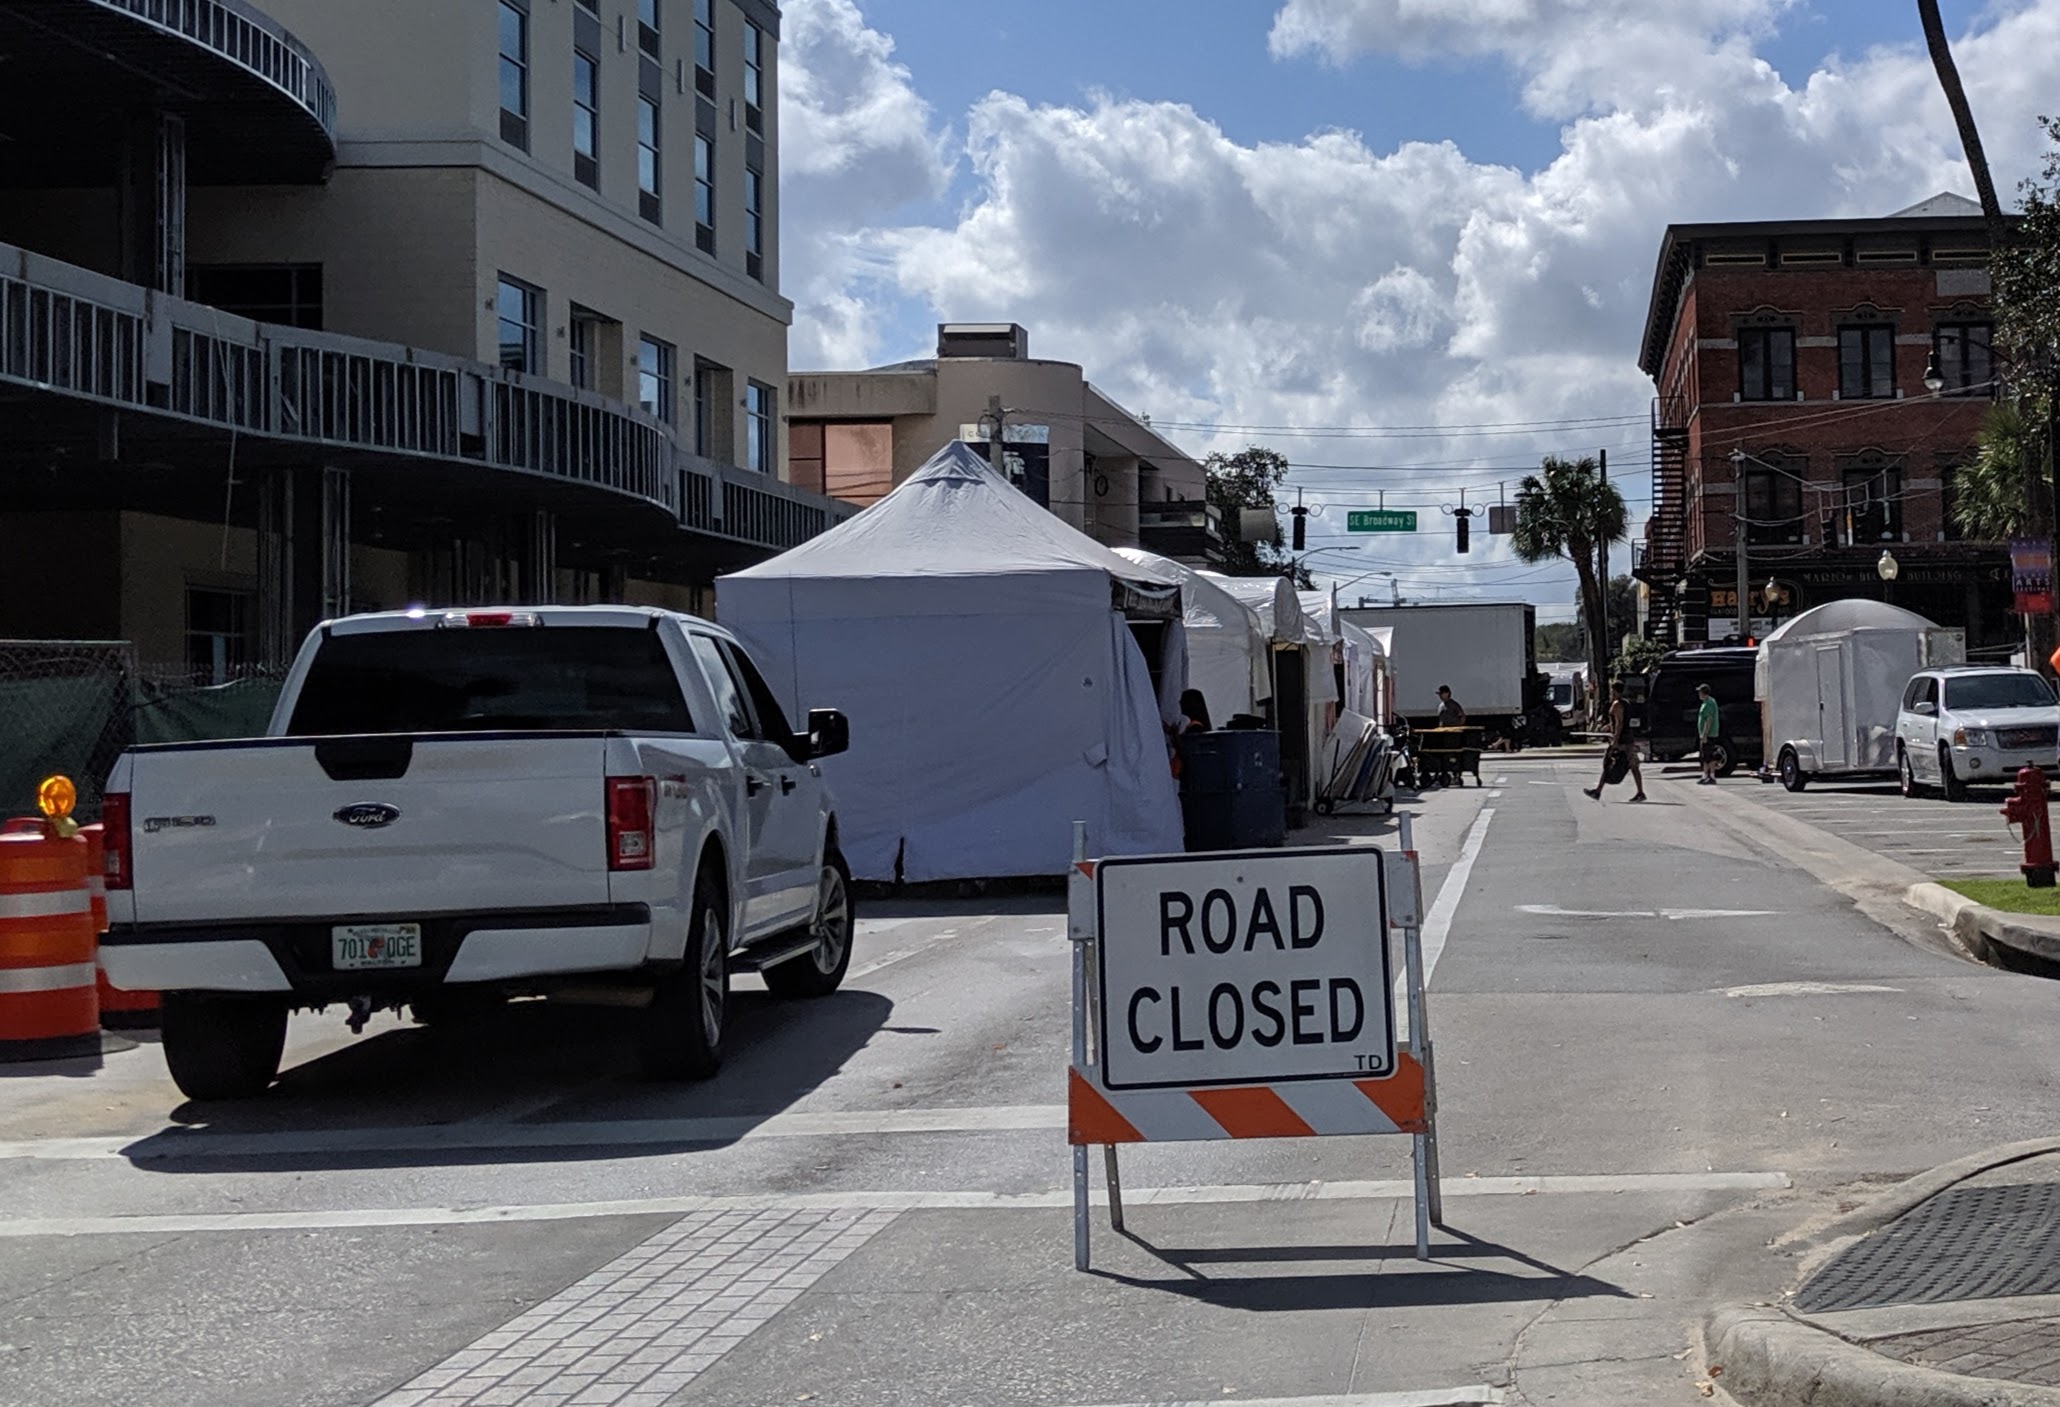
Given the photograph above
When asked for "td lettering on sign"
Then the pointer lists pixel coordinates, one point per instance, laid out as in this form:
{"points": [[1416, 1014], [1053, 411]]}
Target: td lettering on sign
{"points": [[1244, 969]]}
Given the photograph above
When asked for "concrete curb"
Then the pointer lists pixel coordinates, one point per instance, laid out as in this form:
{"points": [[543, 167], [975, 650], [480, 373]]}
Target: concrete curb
{"points": [[1982, 929], [1769, 1360], [1905, 1196]]}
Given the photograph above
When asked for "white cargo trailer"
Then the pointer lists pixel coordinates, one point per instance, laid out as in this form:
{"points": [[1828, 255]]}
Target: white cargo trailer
{"points": [[1830, 681], [1482, 649]]}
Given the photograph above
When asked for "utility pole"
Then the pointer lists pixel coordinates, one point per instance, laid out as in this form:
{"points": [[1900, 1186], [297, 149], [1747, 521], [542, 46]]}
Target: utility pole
{"points": [[998, 418], [1738, 526], [1602, 462]]}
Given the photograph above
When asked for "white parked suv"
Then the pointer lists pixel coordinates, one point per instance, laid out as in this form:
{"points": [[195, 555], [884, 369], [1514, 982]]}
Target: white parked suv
{"points": [[453, 807], [1974, 724]]}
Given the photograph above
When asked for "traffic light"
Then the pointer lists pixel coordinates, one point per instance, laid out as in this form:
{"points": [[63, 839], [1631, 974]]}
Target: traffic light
{"points": [[1301, 536], [1462, 516]]}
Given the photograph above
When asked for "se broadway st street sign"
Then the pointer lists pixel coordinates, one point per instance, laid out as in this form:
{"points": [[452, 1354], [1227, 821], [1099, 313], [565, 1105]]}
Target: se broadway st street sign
{"points": [[1380, 520]]}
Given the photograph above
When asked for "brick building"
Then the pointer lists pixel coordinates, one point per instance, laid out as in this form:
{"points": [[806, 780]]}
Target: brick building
{"points": [[1790, 359]]}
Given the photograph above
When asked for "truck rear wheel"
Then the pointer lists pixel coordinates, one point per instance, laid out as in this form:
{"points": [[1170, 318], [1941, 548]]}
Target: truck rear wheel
{"points": [[223, 1047], [682, 1029], [818, 972]]}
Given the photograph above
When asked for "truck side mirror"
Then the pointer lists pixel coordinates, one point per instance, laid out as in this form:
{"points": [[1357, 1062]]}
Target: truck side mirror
{"points": [[829, 733], [1927, 708]]}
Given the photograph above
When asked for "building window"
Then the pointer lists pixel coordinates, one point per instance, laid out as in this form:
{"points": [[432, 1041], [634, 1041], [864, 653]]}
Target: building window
{"points": [[758, 428], [520, 311], [287, 294], [704, 192], [514, 75], [1873, 505], [1866, 362], [1773, 507], [217, 633], [704, 47], [648, 187], [1963, 353], [707, 386], [1766, 363], [654, 377], [754, 77], [586, 118], [754, 223], [580, 349], [647, 26]]}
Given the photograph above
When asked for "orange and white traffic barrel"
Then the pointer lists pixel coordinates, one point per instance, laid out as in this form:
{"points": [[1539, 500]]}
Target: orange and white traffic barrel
{"points": [[119, 1010], [49, 1008]]}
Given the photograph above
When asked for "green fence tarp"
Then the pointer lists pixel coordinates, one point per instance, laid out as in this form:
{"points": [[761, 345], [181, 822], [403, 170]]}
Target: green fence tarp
{"points": [[185, 714]]}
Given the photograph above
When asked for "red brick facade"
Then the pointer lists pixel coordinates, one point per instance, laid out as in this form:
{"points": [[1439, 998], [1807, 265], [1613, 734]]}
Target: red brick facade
{"points": [[1790, 359]]}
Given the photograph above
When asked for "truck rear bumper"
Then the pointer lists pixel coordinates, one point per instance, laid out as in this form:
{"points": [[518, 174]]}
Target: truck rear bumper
{"points": [[294, 955]]}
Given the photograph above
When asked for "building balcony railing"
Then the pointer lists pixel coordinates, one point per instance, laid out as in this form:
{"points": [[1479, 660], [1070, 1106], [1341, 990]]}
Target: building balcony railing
{"points": [[251, 40], [73, 332]]}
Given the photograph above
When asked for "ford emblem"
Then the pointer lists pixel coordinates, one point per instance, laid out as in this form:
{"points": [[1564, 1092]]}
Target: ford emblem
{"points": [[369, 815]]}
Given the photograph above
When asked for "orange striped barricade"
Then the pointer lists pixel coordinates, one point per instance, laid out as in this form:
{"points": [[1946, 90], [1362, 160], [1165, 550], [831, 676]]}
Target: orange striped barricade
{"points": [[48, 1010], [1247, 995]]}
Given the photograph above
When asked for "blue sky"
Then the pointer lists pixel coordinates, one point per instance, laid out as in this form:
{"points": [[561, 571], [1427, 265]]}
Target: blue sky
{"points": [[1215, 207]]}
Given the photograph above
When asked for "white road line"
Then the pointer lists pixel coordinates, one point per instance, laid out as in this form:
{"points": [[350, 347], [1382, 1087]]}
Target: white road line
{"points": [[1805, 989], [1385, 1189], [1475, 1395], [1675, 915], [599, 1135], [1437, 926], [1494, 796]]}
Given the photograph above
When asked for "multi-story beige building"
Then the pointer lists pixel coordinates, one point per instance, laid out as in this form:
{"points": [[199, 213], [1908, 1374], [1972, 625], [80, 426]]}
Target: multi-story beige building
{"points": [[856, 434], [338, 305]]}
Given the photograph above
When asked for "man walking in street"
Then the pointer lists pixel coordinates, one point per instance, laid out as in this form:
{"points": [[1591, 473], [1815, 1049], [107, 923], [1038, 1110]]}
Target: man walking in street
{"points": [[1619, 744], [1708, 721]]}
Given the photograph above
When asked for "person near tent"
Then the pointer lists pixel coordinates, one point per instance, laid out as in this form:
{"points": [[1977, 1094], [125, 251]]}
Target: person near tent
{"points": [[1450, 714], [1194, 712], [1621, 756]]}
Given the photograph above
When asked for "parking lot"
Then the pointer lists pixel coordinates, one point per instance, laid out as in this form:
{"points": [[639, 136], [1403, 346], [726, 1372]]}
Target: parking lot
{"points": [[1940, 838]]}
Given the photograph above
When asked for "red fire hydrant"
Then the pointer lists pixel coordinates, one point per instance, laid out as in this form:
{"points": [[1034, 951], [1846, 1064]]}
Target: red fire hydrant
{"points": [[2026, 806]]}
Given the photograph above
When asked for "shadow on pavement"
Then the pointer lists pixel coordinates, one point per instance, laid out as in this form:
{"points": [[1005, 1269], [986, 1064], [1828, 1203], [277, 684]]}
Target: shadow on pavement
{"points": [[485, 1091], [1445, 1279]]}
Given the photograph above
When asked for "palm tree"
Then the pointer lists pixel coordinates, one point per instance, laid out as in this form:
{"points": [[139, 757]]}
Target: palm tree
{"points": [[2002, 492], [1963, 118], [1567, 509]]}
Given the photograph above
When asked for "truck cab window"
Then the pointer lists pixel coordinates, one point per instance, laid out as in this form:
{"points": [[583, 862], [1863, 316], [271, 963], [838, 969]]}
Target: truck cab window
{"points": [[722, 680]]}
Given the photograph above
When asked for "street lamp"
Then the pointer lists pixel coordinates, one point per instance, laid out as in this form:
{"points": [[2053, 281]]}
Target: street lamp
{"points": [[1887, 568], [1933, 381]]}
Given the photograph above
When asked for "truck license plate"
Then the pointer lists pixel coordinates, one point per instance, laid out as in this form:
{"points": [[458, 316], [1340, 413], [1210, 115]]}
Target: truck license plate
{"points": [[357, 946]]}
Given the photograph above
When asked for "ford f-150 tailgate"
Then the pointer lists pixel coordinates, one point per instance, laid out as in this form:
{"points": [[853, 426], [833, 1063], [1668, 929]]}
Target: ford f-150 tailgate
{"points": [[401, 826]]}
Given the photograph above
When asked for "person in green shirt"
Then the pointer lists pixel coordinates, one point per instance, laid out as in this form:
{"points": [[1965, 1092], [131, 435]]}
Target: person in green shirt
{"points": [[1708, 723]]}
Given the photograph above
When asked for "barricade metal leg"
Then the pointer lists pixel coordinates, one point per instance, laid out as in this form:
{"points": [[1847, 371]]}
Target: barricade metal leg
{"points": [[1115, 1189], [1079, 919], [1423, 1147]]}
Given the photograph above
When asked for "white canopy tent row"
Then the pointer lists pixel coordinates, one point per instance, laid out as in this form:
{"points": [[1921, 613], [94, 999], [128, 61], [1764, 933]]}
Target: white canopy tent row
{"points": [[984, 654], [1228, 654], [1304, 687]]}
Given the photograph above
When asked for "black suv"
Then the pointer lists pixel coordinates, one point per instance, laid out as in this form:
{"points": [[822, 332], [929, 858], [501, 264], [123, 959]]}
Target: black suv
{"points": [[1670, 704]]}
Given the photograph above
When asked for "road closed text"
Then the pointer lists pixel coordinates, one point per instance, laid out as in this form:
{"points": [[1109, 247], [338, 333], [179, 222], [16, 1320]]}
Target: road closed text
{"points": [[1233, 969]]}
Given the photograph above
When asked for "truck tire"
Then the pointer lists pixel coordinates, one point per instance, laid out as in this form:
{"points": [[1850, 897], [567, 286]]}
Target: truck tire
{"points": [[1949, 783], [223, 1047], [819, 972], [681, 1031], [1792, 775], [1727, 757], [1906, 775]]}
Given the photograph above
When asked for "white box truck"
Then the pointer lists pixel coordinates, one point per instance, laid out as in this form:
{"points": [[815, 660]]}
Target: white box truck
{"points": [[1482, 649]]}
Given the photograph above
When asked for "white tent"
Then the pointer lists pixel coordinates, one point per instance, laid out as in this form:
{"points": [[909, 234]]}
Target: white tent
{"points": [[1272, 600], [1830, 683], [1227, 648], [1365, 666], [1285, 616], [996, 694]]}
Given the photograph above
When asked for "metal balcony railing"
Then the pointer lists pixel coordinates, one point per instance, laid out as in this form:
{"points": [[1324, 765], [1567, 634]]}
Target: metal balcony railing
{"points": [[69, 331], [249, 39]]}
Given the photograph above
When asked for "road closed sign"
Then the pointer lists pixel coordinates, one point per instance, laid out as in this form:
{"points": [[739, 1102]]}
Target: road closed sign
{"points": [[1244, 969]]}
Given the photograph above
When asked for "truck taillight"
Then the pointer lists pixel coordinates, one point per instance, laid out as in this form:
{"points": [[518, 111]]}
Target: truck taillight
{"points": [[630, 837], [114, 822], [485, 620]]}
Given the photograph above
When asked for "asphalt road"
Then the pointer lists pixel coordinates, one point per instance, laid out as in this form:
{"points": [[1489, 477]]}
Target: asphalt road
{"points": [[1660, 1045]]}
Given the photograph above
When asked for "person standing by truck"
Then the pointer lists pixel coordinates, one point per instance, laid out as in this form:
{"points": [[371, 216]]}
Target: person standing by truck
{"points": [[1450, 714], [1708, 723], [1622, 754]]}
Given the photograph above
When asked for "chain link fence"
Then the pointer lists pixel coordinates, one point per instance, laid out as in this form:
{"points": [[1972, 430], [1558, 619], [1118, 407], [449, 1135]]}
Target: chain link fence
{"points": [[72, 706]]}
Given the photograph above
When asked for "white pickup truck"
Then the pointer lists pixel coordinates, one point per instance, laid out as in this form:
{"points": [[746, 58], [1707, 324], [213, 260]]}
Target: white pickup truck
{"points": [[455, 807]]}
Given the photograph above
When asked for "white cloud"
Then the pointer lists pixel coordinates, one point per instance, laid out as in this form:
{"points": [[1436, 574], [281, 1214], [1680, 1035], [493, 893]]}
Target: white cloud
{"points": [[1324, 282], [857, 143]]}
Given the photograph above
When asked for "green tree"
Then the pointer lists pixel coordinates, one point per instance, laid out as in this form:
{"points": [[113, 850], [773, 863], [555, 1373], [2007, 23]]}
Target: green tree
{"points": [[1244, 480], [1561, 641], [1567, 509], [2002, 492]]}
